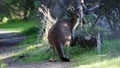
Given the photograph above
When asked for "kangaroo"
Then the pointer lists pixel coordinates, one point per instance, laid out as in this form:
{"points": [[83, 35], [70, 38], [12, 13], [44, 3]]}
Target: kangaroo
{"points": [[62, 33]]}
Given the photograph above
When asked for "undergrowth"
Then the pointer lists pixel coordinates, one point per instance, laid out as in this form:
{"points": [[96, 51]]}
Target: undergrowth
{"points": [[79, 55], [81, 58]]}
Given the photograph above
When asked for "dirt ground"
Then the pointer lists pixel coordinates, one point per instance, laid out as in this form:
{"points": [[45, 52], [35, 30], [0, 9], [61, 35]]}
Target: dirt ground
{"points": [[44, 64]]}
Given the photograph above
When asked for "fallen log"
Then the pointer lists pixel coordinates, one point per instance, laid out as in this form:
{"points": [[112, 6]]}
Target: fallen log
{"points": [[88, 42], [85, 42]]}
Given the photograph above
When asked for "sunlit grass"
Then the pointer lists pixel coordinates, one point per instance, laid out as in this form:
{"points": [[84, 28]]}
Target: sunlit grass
{"points": [[90, 59], [3, 65], [29, 29], [112, 63], [33, 53], [79, 57], [18, 25]]}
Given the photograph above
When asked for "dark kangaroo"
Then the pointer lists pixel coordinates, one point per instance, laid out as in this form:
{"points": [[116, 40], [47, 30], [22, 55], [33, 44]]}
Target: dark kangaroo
{"points": [[62, 33]]}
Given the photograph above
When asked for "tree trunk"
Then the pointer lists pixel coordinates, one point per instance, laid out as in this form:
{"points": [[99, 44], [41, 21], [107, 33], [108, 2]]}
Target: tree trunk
{"points": [[50, 11], [58, 8], [112, 27]]}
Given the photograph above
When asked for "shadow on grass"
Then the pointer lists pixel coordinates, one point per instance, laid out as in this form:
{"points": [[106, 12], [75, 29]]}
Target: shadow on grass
{"points": [[30, 53]]}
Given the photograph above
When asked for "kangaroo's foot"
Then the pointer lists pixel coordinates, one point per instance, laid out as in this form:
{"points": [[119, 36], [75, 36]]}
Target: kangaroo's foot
{"points": [[65, 59], [72, 44]]}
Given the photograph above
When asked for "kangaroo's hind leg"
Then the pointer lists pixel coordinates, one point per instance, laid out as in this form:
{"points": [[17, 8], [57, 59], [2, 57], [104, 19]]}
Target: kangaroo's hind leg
{"points": [[53, 55], [67, 52]]}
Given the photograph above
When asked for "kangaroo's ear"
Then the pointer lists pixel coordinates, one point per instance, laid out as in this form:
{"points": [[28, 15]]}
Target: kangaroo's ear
{"points": [[71, 7]]}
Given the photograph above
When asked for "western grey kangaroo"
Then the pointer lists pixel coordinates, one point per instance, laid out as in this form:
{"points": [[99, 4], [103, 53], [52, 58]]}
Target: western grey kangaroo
{"points": [[62, 33]]}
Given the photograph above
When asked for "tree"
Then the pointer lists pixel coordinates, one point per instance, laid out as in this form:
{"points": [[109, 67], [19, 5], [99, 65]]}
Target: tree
{"points": [[56, 9], [111, 9], [27, 6], [52, 10]]}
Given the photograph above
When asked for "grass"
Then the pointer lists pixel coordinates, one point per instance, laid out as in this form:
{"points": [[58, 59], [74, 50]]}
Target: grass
{"points": [[90, 59], [30, 49], [28, 28], [35, 55], [81, 58], [34, 52], [111, 63], [3, 65], [18, 25]]}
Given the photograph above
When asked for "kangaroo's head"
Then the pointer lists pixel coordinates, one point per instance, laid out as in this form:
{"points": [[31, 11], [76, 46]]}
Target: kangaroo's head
{"points": [[76, 10], [79, 10], [76, 13]]}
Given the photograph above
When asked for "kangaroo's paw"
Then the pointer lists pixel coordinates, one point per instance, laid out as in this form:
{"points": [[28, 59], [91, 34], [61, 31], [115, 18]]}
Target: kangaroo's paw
{"points": [[65, 60]]}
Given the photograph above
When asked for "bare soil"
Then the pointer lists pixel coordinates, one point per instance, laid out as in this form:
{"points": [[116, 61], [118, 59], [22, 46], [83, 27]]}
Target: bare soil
{"points": [[44, 64]]}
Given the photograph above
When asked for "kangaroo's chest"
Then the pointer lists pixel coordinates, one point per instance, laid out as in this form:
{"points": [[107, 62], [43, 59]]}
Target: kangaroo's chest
{"points": [[75, 26]]}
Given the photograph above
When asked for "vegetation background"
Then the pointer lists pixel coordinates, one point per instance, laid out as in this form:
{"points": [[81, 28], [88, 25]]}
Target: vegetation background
{"points": [[33, 18]]}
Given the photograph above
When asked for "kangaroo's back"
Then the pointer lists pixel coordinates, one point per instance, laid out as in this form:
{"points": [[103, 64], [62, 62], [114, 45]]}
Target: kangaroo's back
{"points": [[61, 34]]}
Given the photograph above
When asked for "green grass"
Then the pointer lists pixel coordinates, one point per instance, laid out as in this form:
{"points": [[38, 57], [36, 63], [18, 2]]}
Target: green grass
{"points": [[111, 63], [18, 25], [80, 58], [33, 52], [27, 28], [35, 55], [3, 65], [90, 59]]}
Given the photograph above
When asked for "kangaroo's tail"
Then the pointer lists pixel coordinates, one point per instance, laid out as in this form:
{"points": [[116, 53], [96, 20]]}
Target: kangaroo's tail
{"points": [[59, 49]]}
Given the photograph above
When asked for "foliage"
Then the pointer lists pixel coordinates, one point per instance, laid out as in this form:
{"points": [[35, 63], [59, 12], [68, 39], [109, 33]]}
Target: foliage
{"points": [[21, 9], [110, 10], [34, 52], [82, 57], [107, 5]]}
